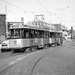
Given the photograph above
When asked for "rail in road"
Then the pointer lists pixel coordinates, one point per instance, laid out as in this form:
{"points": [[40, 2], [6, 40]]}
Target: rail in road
{"points": [[19, 59], [33, 65]]}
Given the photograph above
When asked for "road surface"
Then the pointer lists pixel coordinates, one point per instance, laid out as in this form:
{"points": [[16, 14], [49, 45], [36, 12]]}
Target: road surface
{"points": [[52, 61]]}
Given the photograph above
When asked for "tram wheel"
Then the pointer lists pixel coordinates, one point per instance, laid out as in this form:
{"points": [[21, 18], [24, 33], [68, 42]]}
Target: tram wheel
{"points": [[23, 50], [49, 45], [13, 50], [55, 44], [27, 50], [58, 44], [33, 48], [45, 46]]}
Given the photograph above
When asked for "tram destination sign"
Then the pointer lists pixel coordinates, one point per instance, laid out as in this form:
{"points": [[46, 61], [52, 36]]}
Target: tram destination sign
{"points": [[15, 23]]}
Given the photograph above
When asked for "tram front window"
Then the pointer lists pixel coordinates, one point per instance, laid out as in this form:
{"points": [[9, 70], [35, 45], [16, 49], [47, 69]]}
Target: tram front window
{"points": [[15, 33]]}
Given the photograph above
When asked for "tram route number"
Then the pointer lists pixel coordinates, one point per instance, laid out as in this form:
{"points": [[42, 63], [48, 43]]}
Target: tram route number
{"points": [[36, 39]]}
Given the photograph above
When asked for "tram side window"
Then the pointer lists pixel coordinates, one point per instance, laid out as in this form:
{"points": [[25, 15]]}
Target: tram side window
{"points": [[36, 34], [22, 33], [26, 33], [57, 35], [60, 34], [46, 34], [40, 34], [31, 33], [52, 35]]}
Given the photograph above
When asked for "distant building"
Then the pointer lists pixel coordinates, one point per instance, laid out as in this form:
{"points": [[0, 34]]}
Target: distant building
{"points": [[58, 27], [2, 24], [2, 27]]}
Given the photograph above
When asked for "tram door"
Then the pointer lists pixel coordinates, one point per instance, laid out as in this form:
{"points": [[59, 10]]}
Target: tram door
{"points": [[61, 39], [52, 38], [41, 42], [58, 38], [40, 37]]}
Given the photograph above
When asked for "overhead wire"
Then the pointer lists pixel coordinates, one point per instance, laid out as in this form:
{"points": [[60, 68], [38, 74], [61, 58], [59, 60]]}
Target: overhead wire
{"points": [[42, 5], [45, 8], [17, 7], [50, 13]]}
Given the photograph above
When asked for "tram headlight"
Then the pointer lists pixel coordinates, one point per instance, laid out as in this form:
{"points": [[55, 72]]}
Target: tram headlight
{"points": [[5, 44]]}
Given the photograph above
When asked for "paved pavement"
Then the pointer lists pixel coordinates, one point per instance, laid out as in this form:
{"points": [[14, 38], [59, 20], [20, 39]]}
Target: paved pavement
{"points": [[52, 61]]}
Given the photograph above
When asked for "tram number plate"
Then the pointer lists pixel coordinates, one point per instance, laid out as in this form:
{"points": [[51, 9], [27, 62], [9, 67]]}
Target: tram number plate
{"points": [[36, 39]]}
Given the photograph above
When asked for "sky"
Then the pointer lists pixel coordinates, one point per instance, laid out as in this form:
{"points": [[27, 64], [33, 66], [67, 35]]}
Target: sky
{"points": [[54, 11]]}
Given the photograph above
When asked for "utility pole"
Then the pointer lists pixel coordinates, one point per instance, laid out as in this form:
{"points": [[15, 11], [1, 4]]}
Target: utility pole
{"points": [[6, 21], [71, 32]]}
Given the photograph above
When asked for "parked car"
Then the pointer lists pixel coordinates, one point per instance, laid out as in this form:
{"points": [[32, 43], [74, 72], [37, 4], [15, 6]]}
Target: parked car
{"points": [[5, 46]]}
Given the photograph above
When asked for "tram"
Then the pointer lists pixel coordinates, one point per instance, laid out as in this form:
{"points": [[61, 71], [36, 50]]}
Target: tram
{"points": [[56, 38], [30, 38]]}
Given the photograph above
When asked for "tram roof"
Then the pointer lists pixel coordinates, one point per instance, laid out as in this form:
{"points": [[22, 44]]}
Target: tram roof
{"points": [[56, 31], [29, 27]]}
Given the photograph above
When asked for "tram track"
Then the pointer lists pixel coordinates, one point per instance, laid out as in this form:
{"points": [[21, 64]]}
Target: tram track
{"points": [[13, 63], [33, 65], [31, 68]]}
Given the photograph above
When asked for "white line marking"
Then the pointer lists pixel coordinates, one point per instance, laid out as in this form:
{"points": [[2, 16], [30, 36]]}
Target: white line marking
{"points": [[12, 63], [22, 58]]}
